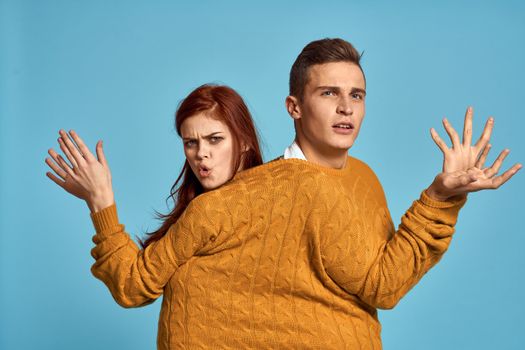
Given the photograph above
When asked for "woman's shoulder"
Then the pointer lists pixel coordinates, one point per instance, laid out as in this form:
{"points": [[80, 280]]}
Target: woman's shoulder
{"points": [[259, 187], [278, 169]]}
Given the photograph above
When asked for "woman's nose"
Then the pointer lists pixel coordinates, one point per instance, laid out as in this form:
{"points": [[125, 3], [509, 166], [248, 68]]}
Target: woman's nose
{"points": [[203, 151]]}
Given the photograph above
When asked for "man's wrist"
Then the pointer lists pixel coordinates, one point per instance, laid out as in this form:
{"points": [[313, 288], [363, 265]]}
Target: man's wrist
{"points": [[433, 194]]}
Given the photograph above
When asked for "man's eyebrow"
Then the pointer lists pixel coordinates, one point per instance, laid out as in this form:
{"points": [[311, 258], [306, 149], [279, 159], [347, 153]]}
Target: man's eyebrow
{"points": [[336, 88], [363, 91], [325, 87]]}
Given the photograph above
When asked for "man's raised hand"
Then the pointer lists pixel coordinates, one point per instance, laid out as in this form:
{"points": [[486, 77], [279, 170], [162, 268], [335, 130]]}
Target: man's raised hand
{"points": [[463, 163]]}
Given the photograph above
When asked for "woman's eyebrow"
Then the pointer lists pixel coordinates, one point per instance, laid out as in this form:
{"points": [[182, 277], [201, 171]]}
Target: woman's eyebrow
{"points": [[213, 134], [204, 137]]}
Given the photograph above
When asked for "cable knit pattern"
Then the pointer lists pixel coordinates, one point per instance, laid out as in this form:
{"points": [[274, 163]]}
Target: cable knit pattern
{"points": [[288, 255]]}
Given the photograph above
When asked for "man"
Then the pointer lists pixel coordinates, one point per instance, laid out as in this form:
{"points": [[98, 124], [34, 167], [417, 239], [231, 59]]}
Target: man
{"points": [[296, 253], [327, 103]]}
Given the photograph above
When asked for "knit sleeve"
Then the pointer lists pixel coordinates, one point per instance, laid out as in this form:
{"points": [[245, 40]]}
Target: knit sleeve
{"points": [[381, 274], [136, 277]]}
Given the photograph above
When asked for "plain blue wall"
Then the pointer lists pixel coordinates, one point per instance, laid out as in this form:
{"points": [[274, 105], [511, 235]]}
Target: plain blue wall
{"points": [[115, 70]]}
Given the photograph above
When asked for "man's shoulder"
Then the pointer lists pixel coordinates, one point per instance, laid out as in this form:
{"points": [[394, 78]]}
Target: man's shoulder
{"points": [[355, 162], [360, 166], [362, 171]]}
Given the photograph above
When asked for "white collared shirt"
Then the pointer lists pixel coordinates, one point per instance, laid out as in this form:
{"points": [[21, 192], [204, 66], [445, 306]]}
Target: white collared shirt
{"points": [[294, 151]]}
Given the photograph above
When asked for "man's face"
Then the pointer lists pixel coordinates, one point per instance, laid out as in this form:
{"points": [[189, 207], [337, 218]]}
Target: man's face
{"points": [[330, 114]]}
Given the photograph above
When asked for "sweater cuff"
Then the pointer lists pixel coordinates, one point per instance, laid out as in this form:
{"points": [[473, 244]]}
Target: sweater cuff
{"points": [[433, 203], [105, 218]]}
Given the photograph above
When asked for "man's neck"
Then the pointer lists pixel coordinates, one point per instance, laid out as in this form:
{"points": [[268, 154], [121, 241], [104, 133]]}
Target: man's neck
{"points": [[336, 160]]}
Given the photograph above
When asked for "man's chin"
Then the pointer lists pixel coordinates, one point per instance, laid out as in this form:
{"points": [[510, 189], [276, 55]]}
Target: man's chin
{"points": [[343, 146]]}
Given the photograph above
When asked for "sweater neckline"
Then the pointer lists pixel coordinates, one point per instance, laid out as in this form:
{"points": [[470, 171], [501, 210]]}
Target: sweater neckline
{"points": [[302, 164]]}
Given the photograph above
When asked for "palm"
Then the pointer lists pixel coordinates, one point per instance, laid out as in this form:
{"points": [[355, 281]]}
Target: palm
{"points": [[464, 159], [85, 176], [463, 163]]}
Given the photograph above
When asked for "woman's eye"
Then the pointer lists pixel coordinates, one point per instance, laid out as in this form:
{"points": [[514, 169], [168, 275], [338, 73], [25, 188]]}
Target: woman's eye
{"points": [[215, 139], [189, 143]]}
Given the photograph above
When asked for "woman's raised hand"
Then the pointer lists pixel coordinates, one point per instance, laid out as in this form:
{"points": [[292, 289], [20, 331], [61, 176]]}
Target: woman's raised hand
{"points": [[463, 164], [85, 177]]}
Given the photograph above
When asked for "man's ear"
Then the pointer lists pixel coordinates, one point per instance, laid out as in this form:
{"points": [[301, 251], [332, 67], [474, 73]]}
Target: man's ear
{"points": [[293, 108]]}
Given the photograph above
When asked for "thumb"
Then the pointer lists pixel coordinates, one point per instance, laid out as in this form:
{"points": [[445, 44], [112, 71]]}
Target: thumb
{"points": [[100, 153], [465, 179]]}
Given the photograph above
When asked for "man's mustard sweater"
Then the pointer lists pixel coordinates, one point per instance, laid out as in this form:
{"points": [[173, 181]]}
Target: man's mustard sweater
{"points": [[287, 255]]}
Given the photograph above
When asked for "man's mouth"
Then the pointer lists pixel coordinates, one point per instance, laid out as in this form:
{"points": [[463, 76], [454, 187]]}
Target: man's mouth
{"points": [[344, 126]]}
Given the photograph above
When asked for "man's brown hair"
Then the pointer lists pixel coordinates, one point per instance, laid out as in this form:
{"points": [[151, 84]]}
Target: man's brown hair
{"points": [[319, 52]]}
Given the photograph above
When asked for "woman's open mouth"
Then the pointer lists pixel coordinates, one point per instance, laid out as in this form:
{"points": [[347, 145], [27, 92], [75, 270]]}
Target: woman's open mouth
{"points": [[204, 171]]}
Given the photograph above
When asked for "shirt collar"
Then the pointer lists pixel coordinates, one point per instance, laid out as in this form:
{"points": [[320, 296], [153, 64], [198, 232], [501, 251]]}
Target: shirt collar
{"points": [[294, 151]]}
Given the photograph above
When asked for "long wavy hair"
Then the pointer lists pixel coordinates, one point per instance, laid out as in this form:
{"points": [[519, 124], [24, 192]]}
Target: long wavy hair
{"points": [[224, 104]]}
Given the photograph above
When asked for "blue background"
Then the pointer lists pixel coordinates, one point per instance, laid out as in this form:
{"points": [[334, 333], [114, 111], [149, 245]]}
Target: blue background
{"points": [[115, 70]]}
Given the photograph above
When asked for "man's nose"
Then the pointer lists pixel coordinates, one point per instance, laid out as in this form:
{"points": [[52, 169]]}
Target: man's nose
{"points": [[344, 106]]}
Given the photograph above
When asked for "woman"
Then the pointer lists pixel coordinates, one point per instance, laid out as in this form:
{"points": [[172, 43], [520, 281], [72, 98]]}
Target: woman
{"points": [[219, 139]]}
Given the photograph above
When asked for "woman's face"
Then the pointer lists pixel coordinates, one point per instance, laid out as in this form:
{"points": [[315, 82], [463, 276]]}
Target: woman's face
{"points": [[208, 146]]}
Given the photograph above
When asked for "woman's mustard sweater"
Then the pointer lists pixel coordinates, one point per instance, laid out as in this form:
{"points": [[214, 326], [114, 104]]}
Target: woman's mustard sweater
{"points": [[287, 255]]}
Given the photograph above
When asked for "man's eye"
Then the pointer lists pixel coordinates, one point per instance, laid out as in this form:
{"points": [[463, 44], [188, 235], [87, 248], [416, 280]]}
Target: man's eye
{"points": [[328, 93], [357, 96]]}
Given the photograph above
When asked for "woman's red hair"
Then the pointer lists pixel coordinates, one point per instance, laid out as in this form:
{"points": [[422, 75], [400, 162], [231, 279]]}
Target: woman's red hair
{"points": [[224, 104]]}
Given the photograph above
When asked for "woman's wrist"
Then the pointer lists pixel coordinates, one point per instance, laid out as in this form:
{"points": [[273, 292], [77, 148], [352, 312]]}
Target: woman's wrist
{"points": [[100, 201]]}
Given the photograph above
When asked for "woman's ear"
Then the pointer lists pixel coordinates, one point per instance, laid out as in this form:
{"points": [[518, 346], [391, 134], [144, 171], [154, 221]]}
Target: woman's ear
{"points": [[292, 106]]}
